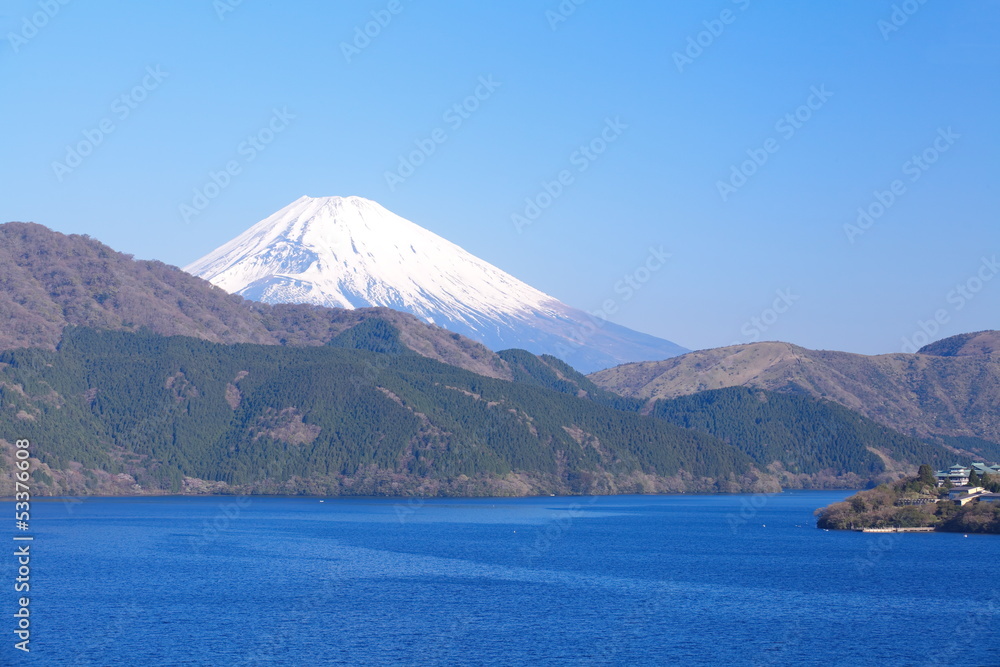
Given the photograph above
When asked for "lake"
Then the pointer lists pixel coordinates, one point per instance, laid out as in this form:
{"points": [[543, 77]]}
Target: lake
{"points": [[630, 580]]}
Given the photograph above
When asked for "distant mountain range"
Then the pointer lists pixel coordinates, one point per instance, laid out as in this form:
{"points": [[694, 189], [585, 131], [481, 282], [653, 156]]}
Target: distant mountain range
{"points": [[350, 252], [950, 390], [136, 377]]}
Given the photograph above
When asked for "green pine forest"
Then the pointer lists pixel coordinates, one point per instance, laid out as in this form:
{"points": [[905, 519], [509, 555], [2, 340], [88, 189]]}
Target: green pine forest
{"points": [[113, 412]]}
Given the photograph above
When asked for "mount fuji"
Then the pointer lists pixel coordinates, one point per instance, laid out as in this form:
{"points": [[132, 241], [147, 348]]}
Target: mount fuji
{"points": [[350, 252]]}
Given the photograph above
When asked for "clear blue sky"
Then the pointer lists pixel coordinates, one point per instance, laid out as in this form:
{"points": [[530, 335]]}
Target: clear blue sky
{"points": [[895, 92]]}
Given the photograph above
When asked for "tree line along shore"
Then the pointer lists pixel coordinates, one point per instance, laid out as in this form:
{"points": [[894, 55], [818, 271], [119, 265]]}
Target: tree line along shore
{"points": [[920, 502]]}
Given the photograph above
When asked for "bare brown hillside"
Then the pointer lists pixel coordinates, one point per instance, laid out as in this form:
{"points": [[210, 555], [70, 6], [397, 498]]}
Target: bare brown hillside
{"points": [[965, 345], [50, 280], [918, 394]]}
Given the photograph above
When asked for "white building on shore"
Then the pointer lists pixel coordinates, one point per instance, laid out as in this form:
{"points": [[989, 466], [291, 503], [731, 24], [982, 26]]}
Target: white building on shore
{"points": [[958, 475]]}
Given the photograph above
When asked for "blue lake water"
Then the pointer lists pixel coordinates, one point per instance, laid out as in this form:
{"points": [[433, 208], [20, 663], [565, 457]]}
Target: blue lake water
{"points": [[634, 580]]}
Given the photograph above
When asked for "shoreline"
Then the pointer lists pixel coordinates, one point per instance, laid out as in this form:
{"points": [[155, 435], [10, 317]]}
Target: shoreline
{"points": [[894, 531], [39, 499]]}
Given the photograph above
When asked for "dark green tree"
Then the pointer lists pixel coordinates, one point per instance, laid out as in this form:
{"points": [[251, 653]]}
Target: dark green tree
{"points": [[992, 483], [974, 479], [925, 474]]}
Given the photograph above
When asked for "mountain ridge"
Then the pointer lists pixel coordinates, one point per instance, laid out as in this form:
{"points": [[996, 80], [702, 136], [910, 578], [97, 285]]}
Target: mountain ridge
{"points": [[964, 345], [50, 280], [916, 394]]}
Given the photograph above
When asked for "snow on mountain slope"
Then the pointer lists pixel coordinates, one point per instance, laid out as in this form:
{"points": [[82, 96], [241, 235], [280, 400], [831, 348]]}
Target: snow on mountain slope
{"points": [[350, 252]]}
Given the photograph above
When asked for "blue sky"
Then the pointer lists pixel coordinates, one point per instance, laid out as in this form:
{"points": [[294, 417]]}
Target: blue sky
{"points": [[671, 98]]}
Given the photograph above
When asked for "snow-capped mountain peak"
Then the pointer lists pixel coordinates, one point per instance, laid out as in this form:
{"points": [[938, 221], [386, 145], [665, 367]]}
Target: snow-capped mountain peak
{"points": [[351, 252]]}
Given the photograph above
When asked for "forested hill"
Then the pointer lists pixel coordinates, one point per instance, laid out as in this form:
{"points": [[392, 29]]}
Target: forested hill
{"points": [[802, 439], [974, 344], [805, 441], [120, 412], [948, 392], [50, 280]]}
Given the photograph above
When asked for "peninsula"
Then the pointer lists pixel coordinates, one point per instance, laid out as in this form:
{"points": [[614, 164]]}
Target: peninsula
{"points": [[928, 501]]}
